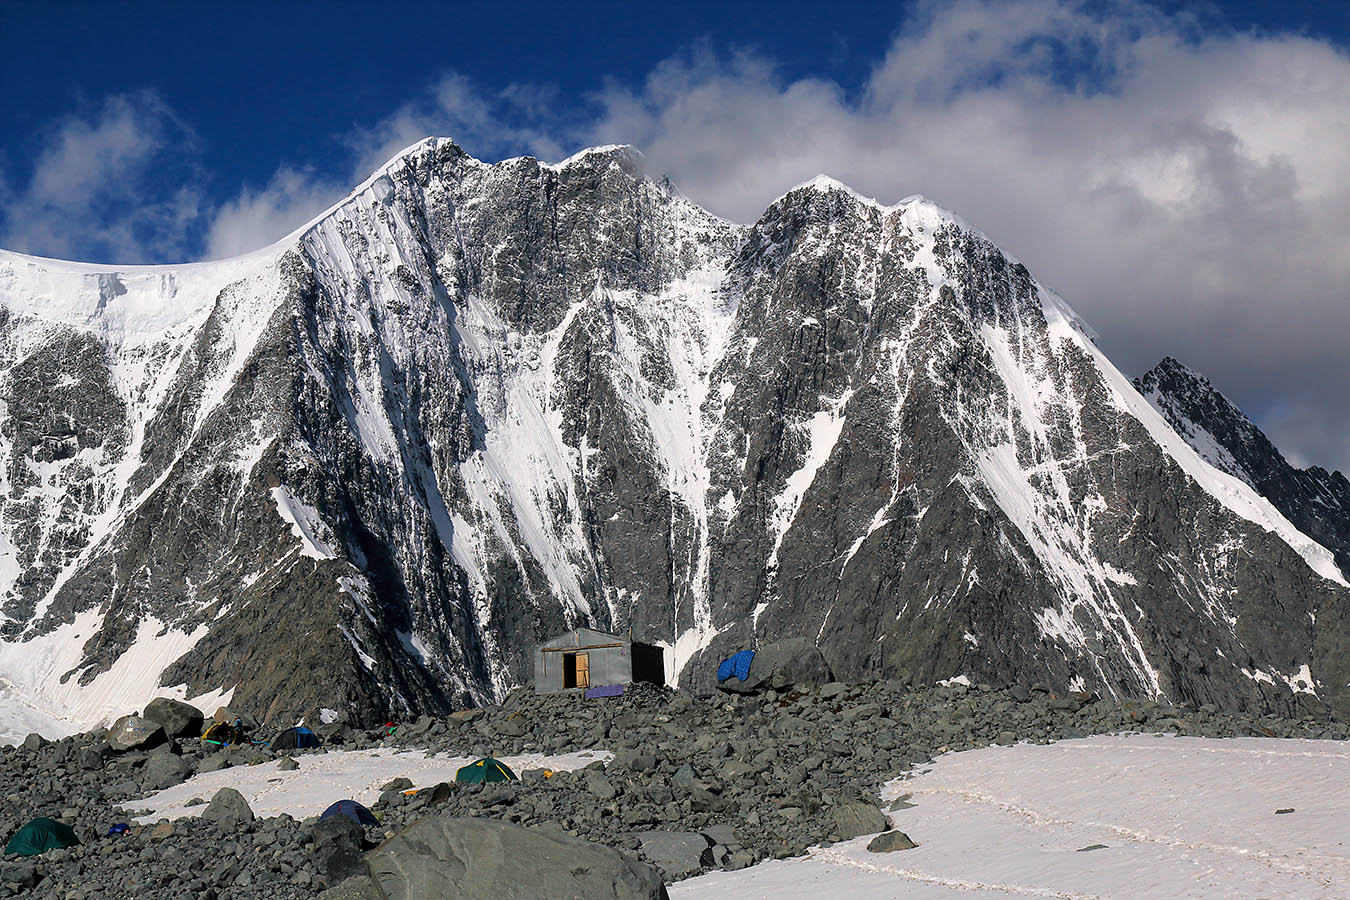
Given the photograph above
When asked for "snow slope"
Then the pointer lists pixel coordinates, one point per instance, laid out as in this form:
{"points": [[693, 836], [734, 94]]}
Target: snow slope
{"points": [[324, 778], [1179, 817]]}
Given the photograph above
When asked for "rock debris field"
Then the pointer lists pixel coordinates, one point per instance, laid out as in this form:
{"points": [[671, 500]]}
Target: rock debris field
{"points": [[680, 786]]}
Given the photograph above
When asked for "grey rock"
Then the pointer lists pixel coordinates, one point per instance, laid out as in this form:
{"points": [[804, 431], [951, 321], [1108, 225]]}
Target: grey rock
{"points": [[216, 761], [677, 854], [164, 770], [793, 662], [451, 856], [721, 834], [288, 764], [337, 849], [178, 719], [890, 841], [134, 733], [360, 887], [855, 819], [18, 875], [228, 808]]}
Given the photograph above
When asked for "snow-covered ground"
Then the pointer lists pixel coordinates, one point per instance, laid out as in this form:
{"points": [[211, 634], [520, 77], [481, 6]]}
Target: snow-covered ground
{"points": [[18, 720], [324, 778], [1179, 817]]}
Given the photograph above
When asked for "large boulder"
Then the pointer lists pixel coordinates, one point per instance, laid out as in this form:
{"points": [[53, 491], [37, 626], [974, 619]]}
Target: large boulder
{"points": [[678, 854], [228, 809], [337, 849], [794, 662], [134, 733], [178, 719], [448, 856]]}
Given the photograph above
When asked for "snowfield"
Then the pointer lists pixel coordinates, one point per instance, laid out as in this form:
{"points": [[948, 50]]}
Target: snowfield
{"points": [[324, 778], [1179, 817]]}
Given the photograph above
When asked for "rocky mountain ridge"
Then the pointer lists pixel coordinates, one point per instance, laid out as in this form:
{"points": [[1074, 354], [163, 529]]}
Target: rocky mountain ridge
{"points": [[366, 469], [1315, 501]]}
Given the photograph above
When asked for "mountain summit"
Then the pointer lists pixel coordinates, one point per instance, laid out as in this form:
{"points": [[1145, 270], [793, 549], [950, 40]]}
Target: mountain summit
{"points": [[368, 468]]}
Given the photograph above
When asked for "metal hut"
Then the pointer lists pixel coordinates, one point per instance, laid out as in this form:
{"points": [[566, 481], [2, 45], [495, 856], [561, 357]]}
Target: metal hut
{"points": [[585, 659]]}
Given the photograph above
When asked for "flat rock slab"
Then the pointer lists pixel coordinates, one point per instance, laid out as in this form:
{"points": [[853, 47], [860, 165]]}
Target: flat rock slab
{"points": [[447, 856], [678, 854]]}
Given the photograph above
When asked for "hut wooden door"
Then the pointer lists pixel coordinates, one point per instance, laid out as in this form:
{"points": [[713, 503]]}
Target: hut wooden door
{"points": [[583, 670]]}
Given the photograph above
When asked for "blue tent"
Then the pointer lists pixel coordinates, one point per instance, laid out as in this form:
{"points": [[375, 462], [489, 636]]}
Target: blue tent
{"points": [[351, 810], [297, 738]]}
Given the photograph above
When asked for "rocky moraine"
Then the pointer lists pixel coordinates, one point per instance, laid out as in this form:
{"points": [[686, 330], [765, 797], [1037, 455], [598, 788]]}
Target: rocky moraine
{"points": [[694, 784]]}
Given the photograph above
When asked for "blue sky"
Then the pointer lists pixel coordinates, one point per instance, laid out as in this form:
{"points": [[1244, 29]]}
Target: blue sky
{"points": [[1177, 170]]}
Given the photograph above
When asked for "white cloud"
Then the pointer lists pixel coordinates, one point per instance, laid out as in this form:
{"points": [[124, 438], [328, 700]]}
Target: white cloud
{"points": [[87, 195], [256, 218], [1187, 189], [518, 119], [1189, 194]]}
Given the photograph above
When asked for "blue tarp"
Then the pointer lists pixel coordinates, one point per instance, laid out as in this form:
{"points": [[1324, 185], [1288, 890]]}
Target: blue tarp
{"points": [[604, 690], [737, 664]]}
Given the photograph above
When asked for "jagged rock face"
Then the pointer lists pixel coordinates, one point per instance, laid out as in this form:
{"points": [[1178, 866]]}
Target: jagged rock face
{"points": [[472, 406], [1316, 501]]}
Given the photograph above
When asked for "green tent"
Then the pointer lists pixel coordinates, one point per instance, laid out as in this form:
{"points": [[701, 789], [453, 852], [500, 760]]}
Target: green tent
{"points": [[39, 836], [486, 769]]}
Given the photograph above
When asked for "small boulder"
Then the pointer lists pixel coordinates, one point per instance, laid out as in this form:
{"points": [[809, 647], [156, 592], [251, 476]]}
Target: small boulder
{"points": [[134, 733], [178, 719], [448, 856], [855, 819], [228, 808], [288, 764], [18, 875], [219, 760], [164, 770], [398, 784], [33, 743], [890, 841]]}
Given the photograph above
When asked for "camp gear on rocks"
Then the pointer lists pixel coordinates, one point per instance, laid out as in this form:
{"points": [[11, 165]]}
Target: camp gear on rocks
{"points": [[791, 663], [223, 734], [297, 738], [350, 809], [737, 665], [485, 769], [39, 836]]}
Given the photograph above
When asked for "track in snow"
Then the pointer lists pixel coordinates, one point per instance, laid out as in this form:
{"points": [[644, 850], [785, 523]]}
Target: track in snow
{"points": [[1180, 817]]}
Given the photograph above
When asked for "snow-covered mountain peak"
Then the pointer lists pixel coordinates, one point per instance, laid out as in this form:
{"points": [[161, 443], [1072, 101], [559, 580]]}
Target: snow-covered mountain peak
{"points": [[473, 404], [619, 152]]}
